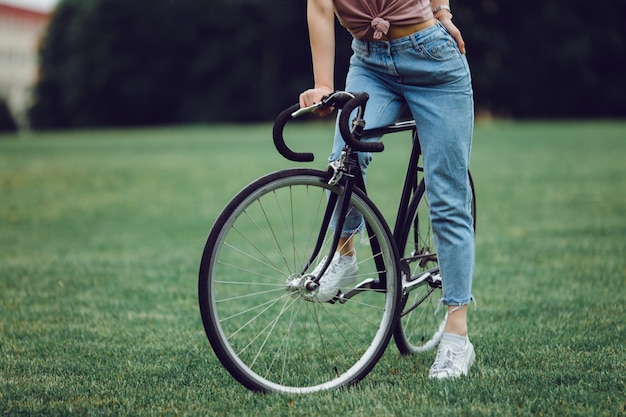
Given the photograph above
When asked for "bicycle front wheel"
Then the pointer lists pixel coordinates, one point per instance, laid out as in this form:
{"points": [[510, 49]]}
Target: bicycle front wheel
{"points": [[260, 319]]}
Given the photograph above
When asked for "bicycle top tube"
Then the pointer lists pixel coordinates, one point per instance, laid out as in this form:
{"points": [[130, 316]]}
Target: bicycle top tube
{"points": [[396, 127]]}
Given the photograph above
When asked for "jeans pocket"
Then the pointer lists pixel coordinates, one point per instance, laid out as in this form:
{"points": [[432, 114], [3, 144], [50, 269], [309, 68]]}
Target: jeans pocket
{"points": [[441, 48]]}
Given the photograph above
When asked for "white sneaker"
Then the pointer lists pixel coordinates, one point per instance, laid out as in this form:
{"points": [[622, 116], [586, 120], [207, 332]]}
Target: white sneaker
{"points": [[452, 360], [341, 272]]}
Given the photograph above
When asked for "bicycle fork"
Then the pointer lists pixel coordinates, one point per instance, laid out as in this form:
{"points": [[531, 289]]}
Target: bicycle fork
{"points": [[342, 169]]}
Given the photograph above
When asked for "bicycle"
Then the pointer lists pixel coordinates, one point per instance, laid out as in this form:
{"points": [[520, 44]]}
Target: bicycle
{"points": [[256, 290]]}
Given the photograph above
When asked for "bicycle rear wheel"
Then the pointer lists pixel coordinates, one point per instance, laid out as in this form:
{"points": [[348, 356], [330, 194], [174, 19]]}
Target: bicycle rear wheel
{"points": [[262, 324], [422, 322]]}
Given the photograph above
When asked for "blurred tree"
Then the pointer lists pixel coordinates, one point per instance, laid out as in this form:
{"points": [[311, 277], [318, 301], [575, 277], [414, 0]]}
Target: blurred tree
{"points": [[120, 62], [7, 123], [554, 59]]}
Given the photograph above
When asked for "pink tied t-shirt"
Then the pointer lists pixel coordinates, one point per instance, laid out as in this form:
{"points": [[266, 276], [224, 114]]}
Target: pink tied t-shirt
{"points": [[375, 17]]}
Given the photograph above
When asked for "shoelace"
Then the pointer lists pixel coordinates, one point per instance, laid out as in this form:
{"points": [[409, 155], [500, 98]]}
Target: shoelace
{"points": [[444, 360], [334, 266]]}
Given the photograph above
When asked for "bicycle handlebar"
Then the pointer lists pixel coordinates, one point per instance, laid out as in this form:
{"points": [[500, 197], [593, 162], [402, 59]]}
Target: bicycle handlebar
{"points": [[347, 102], [279, 141]]}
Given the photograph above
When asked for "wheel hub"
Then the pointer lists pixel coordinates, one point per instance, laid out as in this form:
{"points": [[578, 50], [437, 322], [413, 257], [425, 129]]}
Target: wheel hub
{"points": [[298, 285]]}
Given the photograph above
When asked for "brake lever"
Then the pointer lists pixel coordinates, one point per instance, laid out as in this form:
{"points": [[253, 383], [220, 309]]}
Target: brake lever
{"points": [[306, 110], [332, 100]]}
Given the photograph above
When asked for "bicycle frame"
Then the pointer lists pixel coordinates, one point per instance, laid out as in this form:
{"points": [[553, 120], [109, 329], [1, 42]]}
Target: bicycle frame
{"points": [[348, 173], [352, 177]]}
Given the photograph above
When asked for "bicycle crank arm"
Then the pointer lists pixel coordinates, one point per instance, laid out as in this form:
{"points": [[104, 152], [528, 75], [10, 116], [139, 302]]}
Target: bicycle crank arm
{"points": [[431, 278], [366, 285]]}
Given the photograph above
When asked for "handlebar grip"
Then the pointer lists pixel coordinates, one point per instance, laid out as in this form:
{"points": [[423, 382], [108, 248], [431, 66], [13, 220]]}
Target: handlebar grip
{"points": [[344, 126], [279, 140]]}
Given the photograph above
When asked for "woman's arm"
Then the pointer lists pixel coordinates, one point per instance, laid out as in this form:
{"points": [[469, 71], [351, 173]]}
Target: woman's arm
{"points": [[321, 21]]}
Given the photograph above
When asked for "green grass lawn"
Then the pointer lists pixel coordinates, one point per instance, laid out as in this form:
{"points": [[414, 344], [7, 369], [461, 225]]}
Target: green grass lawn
{"points": [[101, 234]]}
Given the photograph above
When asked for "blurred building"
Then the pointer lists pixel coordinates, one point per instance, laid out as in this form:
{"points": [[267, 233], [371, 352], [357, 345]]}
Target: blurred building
{"points": [[21, 30]]}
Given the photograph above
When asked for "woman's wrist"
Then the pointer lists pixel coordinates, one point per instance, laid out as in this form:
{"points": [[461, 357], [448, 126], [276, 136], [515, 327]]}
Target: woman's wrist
{"points": [[442, 12]]}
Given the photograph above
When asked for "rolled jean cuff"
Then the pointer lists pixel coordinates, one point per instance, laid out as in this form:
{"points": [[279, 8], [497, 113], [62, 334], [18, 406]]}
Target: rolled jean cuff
{"points": [[353, 224], [455, 302]]}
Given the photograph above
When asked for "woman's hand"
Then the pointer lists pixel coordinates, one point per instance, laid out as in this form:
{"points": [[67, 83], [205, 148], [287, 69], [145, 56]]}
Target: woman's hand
{"points": [[446, 21], [314, 96]]}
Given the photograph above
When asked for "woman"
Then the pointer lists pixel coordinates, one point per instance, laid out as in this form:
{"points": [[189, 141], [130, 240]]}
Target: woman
{"points": [[409, 53]]}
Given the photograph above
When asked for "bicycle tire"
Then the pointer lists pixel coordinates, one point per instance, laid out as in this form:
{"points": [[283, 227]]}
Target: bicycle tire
{"points": [[422, 321], [268, 336]]}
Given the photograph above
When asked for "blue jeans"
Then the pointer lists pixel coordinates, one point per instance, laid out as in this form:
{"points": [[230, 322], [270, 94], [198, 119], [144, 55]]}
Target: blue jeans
{"points": [[426, 72]]}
